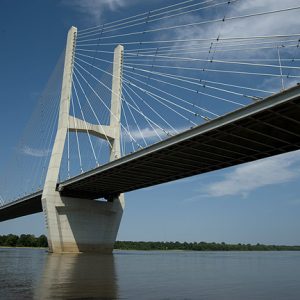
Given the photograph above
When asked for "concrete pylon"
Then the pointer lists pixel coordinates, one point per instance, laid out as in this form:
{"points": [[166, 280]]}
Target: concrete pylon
{"points": [[76, 224]]}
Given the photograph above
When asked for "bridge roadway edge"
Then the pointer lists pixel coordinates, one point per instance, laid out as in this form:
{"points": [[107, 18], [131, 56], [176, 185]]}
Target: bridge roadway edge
{"points": [[132, 163], [286, 102]]}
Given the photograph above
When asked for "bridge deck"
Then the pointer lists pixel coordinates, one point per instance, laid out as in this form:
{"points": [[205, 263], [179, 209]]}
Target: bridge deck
{"points": [[28, 205], [263, 129], [260, 130]]}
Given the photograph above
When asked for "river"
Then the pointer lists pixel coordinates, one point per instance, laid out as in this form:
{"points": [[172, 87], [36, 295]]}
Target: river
{"points": [[35, 274]]}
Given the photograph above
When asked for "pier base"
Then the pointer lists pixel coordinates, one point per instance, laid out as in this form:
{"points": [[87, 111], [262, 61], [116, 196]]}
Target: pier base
{"points": [[81, 225]]}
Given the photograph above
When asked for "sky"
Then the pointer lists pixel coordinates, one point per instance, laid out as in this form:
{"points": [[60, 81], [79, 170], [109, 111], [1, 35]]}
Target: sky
{"points": [[256, 202]]}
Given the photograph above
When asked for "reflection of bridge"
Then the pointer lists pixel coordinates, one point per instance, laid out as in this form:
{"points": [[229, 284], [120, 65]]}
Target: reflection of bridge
{"points": [[75, 222], [100, 277]]}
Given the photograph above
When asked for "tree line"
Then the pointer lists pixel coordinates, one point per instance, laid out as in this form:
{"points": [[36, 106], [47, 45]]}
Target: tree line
{"points": [[202, 246], [24, 240], [29, 240]]}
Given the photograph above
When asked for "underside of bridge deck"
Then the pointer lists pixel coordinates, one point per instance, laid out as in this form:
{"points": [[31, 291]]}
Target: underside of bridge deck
{"points": [[263, 129], [22, 207]]}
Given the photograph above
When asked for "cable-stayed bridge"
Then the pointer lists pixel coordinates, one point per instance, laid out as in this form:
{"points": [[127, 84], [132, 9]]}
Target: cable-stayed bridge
{"points": [[149, 99]]}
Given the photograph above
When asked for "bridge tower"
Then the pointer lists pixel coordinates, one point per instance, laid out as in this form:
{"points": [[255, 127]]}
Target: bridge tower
{"points": [[76, 224]]}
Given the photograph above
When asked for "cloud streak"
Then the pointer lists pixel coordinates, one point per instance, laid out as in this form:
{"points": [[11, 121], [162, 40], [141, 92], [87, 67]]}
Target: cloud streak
{"points": [[150, 134], [35, 152], [93, 10], [251, 176]]}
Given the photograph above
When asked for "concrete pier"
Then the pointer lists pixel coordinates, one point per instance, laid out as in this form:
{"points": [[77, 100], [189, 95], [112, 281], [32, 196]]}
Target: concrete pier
{"points": [[76, 224], [85, 225]]}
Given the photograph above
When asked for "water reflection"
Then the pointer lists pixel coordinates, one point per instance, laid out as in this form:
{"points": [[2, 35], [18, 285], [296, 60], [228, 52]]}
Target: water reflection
{"points": [[78, 276], [35, 274]]}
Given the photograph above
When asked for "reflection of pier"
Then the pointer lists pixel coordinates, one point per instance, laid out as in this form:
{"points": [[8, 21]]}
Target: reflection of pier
{"points": [[78, 276]]}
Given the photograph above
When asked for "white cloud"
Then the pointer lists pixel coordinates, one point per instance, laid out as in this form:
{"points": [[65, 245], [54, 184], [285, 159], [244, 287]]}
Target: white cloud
{"points": [[279, 23], [150, 134], [35, 152], [270, 24], [251, 176], [147, 133], [93, 10], [274, 84], [283, 22]]}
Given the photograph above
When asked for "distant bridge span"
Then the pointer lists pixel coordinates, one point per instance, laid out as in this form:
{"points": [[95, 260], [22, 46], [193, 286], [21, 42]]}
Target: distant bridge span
{"points": [[263, 129]]}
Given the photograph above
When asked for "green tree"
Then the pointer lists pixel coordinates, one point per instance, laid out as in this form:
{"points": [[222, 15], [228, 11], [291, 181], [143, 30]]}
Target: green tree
{"points": [[11, 240], [26, 240], [41, 241]]}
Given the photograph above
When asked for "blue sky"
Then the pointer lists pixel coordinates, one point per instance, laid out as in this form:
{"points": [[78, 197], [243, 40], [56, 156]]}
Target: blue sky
{"points": [[256, 202]]}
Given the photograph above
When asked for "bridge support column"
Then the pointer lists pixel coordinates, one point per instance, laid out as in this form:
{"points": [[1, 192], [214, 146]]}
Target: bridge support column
{"points": [[75, 224], [84, 225]]}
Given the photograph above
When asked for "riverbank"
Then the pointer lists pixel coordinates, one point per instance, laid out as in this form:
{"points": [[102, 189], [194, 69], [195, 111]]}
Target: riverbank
{"points": [[24, 240], [9, 247], [30, 241], [201, 246]]}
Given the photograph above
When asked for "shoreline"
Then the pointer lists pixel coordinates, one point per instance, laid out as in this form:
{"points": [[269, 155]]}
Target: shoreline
{"points": [[29, 241], [169, 250], [22, 247]]}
